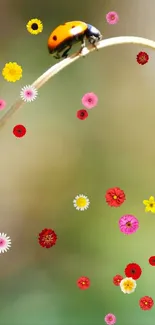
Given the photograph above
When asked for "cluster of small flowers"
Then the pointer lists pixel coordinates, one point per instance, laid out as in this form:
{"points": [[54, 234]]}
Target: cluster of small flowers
{"points": [[128, 285], [89, 101], [128, 224], [13, 72]]}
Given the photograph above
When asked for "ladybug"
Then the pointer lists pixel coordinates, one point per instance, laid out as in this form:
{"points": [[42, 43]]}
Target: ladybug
{"points": [[64, 36]]}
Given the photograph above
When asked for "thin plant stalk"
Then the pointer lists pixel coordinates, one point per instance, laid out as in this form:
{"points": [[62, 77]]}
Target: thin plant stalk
{"points": [[51, 72]]}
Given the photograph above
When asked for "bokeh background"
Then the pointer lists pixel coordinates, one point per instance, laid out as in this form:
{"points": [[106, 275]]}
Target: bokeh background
{"points": [[61, 156]]}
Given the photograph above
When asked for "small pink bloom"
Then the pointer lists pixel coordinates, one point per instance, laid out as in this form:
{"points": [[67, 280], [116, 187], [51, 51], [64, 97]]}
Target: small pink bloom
{"points": [[112, 17], [28, 93], [128, 224], [5, 243], [2, 242], [89, 100], [110, 319], [2, 104]]}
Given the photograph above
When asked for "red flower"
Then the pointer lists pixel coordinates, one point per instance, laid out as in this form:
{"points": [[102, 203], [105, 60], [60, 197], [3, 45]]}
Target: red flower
{"points": [[19, 131], [83, 283], [82, 114], [47, 238], [146, 303], [133, 271], [142, 58], [117, 279], [152, 260], [115, 197]]}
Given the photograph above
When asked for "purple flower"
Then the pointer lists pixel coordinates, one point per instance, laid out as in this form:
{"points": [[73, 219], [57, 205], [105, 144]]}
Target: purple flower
{"points": [[128, 224]]}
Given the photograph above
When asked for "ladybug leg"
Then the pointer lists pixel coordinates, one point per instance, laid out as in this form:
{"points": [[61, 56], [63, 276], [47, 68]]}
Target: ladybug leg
{"points": [[65, 54], [94, 45], [57, 56], [83, 44], [93, 40]]}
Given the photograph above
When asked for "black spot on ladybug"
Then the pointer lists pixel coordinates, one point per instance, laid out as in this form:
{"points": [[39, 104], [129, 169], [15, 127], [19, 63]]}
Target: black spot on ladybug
{"points": [[54, 37]]}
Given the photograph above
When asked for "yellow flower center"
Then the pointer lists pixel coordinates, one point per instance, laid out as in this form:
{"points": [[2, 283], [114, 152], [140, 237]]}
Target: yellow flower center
{"points": [[48, 238], [115, 197], [81, 202], [12, 72], [128, 285], [83, 282], [145, 302]]}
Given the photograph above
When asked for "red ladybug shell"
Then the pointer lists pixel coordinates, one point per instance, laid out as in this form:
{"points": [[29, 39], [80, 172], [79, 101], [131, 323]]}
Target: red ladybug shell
{"points": [[65, 32]]}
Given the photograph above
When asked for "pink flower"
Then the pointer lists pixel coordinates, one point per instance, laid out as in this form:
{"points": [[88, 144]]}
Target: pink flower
{"points": [[89, 100], [112, 17], [110, 319], [2, 104], [5, 243], [128, 224], [28, 93]]}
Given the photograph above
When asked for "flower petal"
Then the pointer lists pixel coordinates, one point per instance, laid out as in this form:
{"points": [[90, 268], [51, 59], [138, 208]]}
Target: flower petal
{"points": [[147, 209], [146, 202], [151, 199]]}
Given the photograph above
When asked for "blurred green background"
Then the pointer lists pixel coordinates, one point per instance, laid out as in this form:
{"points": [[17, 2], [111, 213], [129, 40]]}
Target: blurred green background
{"points": [[62, 156]]}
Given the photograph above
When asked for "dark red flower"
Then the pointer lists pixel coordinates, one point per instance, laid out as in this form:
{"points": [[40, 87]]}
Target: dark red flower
{"points": [[133, 271], [47, 238], [117, 279], [82, 114], [19, 130], [152, 260], [146, 303], [142, 58], [83, 283], [115, 197]]}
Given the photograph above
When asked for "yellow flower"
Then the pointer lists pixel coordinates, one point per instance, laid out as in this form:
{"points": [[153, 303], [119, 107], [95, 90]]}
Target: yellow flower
{"points": [[34, 26], [150, 204], [12, 72], [128, 285]]}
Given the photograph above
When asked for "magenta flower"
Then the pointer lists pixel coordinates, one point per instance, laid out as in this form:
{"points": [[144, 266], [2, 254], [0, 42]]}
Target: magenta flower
{"points": [[112, 18], [2, 104], [110, 319], [128, 224], [89, 100]]}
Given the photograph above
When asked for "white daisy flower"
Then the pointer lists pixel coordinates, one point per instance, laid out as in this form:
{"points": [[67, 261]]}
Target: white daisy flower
{"points": [[5, 242], [28, 93], [81, 202], [128, 285]]}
